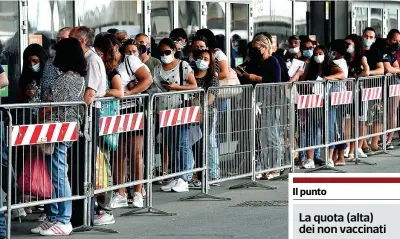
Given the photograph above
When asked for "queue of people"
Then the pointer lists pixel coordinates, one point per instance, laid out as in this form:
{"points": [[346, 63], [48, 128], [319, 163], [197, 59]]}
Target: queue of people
{"points": [[112, 64]]}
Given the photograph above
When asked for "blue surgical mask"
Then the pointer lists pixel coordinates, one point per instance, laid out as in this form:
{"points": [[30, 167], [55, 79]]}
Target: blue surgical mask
{"points": [[308, 53], [367, 43], [202, 65], [235, 48], [36, 68]]}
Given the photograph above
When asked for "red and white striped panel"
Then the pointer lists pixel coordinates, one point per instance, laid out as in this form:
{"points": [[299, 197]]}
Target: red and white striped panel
{"points": [[181, 116], [342, 98], [121, 123], [374, 93], [310, 101], [44, 133], [394, 90]]}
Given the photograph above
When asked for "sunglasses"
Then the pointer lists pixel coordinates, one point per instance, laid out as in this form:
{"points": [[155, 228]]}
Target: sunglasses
{"points": [[166, 53]]}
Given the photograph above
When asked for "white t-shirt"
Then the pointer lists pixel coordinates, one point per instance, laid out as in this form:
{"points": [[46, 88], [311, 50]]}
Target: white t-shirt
{"points": [[342, 64], [220, 56], [128, 68]]}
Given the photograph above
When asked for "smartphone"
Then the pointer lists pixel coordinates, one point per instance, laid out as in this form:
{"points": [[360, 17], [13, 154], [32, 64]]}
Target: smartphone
{"points": [[241, 70], [164, 82]]}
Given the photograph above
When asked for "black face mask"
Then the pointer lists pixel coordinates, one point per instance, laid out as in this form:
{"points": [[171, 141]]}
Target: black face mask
{"points": [[256, 54], [179, 55], [394, 46], [142, 49]]}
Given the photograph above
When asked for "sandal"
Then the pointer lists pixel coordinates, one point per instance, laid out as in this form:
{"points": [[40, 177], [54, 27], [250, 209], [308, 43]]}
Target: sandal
{"points": [[340, 163], [376, 149]]}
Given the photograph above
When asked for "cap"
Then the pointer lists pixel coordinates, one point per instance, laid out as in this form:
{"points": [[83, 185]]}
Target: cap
{"points": [[294, 38]]}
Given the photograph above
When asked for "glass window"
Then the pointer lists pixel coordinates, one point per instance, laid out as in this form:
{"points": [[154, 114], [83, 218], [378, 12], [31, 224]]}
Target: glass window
{"points": [[376, 21], [361, 20], [392, 19], [162, 22], [106, 14], [300, 13], [10, 47], [239, 33], [189, 16], [275, 19], [46, 18], [216, 22]]}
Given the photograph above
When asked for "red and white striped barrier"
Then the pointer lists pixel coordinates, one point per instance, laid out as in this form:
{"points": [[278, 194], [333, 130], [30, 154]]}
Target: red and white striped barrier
{"points": [[44, 133], [394, 90], [342, 98], [374, 93], [181, 116], [310, 101], [121, 123]]}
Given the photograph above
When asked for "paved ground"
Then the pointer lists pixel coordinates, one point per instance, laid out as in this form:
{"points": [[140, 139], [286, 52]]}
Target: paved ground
{"points": [[205, 220]]}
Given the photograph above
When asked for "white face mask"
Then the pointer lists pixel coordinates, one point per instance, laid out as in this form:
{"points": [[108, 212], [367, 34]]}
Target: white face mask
{"points": [[350, 49], [202, 65], [36, 68], [319, 59], [294, 50], [167, 59]]}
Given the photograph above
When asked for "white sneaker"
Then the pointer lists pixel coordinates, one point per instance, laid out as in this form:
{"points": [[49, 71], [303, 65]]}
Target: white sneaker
{"points": [[119, 201], [137, 200], [103, 218], [58, 229], [169, 186], [331, 163], [44, 226], [181, 186], [18, 213], [361, 153], [346, 152], [259, 176], [309, 163]]}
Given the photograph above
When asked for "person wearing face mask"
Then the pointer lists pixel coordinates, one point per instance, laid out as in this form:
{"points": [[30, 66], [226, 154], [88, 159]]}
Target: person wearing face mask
{"points": [[376, 67], [204, 72], [34, 60], [391, 65], [265, 68], [358, 67], [136, 79], [307, 51], [144, 55], [294, 50], [174, 75], [235, 50]]}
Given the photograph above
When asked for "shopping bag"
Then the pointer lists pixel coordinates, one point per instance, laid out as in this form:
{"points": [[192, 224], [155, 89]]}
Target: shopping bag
{"points": [[101, 170], [35, 179]]}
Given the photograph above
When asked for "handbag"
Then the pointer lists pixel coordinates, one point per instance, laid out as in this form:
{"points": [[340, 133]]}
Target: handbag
{"points": [[35, 178], [232, 80], [110, 108]]}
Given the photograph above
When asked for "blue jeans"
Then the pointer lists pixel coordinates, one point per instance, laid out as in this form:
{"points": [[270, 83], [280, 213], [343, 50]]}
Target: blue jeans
{"points": [[336, 126], [4, 160], [58, 168], [184, 154]]}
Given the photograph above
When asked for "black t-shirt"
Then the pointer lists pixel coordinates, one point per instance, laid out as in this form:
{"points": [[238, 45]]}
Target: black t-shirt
{"points": [[1, 69], [373, 57], [111, 74], [388, 55], [269, 70]]}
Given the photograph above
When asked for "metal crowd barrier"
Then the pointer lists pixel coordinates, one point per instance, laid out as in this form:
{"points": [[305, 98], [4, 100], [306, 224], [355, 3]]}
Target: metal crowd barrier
{"points": [[38, 145], [203, 138]]}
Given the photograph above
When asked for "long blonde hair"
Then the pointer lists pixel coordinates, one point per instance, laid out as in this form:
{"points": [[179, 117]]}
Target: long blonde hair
{"points": [[264, 41]]}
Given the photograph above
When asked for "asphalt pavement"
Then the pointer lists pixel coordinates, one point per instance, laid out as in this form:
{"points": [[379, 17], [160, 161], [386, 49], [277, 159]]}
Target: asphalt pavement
{"points": [[251, 213]]}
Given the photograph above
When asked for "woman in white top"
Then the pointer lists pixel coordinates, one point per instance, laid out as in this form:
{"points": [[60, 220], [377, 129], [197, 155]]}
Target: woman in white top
{"points": [[222, 59], [136, 79], [174, 75]]}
